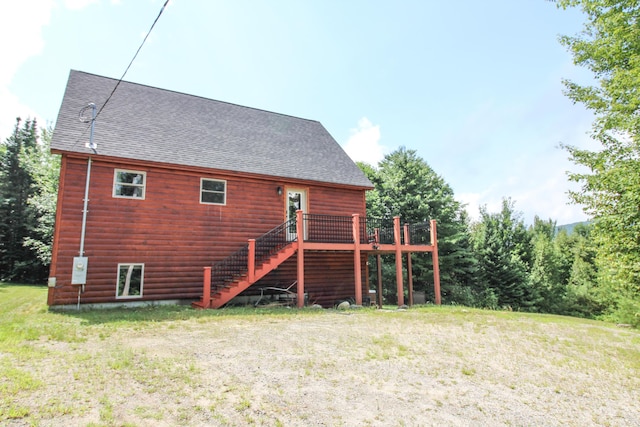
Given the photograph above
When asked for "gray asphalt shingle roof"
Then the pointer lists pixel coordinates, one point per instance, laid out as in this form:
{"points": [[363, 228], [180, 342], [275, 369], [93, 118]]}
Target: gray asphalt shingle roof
{"points": [[146, 123]]}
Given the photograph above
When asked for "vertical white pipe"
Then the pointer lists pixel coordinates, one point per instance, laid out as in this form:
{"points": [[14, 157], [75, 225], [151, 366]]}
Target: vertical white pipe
{"points": [[85, 207], [86, 187]]}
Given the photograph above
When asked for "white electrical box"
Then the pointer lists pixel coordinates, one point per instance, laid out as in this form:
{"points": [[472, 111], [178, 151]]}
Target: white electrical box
{"points": [[79, 273]]}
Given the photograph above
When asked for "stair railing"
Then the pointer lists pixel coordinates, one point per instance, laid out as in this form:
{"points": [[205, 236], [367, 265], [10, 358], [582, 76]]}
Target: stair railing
{"points": [[236, 265], [271, 242]]}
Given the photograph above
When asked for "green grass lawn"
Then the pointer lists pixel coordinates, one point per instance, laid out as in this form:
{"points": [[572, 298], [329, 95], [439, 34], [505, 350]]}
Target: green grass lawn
{"points": [[90, 350]]}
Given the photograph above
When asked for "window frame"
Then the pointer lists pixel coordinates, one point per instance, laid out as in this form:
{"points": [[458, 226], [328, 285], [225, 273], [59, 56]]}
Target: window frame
{"points": [[128, 265], [203, 191], [143, 186]]}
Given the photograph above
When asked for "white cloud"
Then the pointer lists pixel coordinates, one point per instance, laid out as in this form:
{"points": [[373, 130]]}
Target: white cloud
{"points": [[548, 199], [544, 194], [21, 24], [473, 202], [364, 143], [10, 108]]}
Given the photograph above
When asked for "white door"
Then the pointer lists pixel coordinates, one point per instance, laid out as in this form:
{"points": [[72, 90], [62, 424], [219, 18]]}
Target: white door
{"points": [[296, 199]]}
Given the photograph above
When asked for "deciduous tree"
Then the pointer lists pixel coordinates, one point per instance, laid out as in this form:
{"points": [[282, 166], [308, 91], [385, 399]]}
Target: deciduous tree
{"points": [[609, 46]]}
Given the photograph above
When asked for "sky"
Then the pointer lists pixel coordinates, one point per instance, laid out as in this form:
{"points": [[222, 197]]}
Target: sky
{"points": [[475, 88]]}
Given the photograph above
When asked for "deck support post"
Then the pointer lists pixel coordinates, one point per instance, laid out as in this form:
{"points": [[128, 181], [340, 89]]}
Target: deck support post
{"points": [[410, 278], [206, 288], [397, 242], [251, 261], [357, 264], [409, 272], [436, 265], [367, 279], [379, 268], [300, 241]]}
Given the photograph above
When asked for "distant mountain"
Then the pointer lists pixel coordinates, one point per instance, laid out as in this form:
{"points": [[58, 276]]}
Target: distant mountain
{"points": [[569, 227]]}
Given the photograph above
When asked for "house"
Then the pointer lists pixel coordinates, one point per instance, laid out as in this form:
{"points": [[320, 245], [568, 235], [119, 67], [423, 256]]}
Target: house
{"points": [[164, 194]]}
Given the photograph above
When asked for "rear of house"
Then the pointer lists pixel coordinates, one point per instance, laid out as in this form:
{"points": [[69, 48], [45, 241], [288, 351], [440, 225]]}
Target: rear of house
{"points": [[177, 182]]}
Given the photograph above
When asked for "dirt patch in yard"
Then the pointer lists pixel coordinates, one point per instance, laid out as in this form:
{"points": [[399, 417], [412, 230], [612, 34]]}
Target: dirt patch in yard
{"points": [[354, 368]]}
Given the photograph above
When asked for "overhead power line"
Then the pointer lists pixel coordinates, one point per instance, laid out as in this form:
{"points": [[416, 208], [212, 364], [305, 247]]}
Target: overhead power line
{"points": [[133, 59], [125, 71]]}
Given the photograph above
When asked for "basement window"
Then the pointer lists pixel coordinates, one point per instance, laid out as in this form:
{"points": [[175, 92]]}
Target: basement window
{"points": [[129, 184], [130, 278], [213, 191]]}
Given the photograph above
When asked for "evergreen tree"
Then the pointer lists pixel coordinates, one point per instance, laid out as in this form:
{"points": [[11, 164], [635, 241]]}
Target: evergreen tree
{"points": [[18, 220], [406, 186], [502, 247], [44, 169], [578, 254], [549, 272]]}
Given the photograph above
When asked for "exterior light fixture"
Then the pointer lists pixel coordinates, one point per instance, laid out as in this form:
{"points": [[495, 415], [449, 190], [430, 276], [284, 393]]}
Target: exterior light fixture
{"points": [[279, 191]]}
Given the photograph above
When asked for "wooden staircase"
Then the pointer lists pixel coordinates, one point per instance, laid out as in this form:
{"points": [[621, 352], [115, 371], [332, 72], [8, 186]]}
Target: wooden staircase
{"points": [[227, 279], [230, 290]]}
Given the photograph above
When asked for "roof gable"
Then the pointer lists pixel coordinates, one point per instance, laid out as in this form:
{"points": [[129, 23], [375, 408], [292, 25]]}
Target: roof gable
{"points": [[150, 124]]}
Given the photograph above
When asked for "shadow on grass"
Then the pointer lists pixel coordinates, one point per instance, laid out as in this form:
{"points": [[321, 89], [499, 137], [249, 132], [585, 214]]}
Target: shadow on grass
{"points": [[124, 315], [4, 286], [173, 313], [21, 289]]}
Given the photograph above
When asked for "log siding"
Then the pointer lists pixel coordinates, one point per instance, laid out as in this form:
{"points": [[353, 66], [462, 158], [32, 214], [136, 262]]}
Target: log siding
{"points": [[175, 235]]}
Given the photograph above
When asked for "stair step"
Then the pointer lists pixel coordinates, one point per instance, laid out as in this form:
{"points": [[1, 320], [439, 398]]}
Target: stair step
{"points": [[236, 283]]}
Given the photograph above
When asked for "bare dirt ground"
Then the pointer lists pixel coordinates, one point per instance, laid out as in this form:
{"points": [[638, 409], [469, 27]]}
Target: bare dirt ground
{"points": [[354, 368]]}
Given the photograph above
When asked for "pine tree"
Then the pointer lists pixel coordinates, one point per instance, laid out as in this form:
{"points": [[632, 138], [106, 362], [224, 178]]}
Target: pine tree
{"points": [[578, 255], [406, 186], [549, 272], [17, 219], [503, 248], [44, 169]]}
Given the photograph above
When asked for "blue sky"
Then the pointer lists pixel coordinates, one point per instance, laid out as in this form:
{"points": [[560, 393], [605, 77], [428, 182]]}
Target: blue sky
{"points": [[474, 87]]}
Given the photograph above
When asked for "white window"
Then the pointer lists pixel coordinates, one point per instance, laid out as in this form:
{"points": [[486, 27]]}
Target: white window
{"points": [[213, 191], [130, 184], [130, 279]]}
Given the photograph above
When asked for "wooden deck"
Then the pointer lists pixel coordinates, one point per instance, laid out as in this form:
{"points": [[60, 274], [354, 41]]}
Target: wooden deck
{"points": [[359, 236]]}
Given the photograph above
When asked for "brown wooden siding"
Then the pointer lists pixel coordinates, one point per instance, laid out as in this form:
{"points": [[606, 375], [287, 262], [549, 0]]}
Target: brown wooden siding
{"points": [[173, 234], [332, 201]]}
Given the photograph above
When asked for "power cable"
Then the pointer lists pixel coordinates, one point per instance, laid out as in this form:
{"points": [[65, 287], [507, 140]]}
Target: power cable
{"points": [[125, 72], [133, 59]]}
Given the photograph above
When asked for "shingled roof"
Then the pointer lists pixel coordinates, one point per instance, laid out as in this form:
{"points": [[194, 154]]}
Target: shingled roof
{"points": [[157, 125]]}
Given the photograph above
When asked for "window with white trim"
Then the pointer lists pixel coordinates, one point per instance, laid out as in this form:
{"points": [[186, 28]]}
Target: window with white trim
{"points": [[130, 184], [213, 191], [130, 280]]}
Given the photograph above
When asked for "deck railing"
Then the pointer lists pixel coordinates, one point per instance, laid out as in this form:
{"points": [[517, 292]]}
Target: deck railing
{"points": [[339, 229], [420, 233], [227, 270], [377, 230], [318, 228], [328, 228]]}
